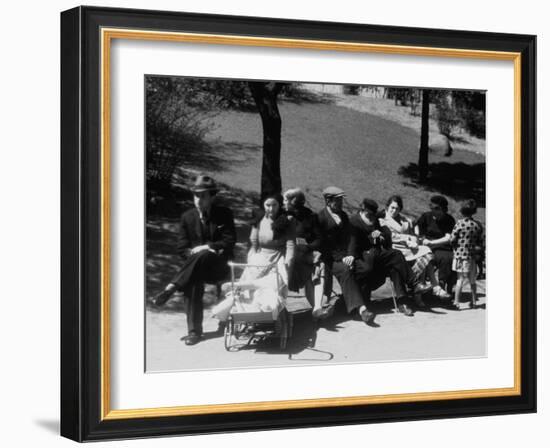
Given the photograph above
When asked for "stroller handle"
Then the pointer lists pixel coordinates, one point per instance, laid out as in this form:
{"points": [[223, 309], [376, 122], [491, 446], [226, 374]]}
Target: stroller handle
{"points": [[246, 265]]}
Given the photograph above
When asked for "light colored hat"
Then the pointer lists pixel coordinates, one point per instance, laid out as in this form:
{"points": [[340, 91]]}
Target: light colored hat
{"points": [[333, 192]]}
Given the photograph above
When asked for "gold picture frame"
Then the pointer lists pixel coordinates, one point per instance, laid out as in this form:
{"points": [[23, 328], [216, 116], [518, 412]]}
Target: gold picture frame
{"points": [[98, 28]]}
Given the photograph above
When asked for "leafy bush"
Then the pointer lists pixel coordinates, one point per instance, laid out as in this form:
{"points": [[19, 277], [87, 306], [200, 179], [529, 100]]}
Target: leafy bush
{"points": [[177, 110], [460, 109], [470, 107]]}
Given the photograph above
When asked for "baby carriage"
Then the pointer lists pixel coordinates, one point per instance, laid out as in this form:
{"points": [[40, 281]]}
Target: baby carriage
{"points": [[258, 317]]}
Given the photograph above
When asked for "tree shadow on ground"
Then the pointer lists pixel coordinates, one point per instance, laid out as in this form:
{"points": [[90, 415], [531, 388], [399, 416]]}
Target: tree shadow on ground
{"points": [[219, 156], [300, 345], [380, 306], [457, 180], [214, 155]]}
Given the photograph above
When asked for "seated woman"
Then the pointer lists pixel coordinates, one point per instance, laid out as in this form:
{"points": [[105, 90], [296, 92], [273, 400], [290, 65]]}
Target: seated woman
{"points": [[403, 239], [272, 239], [307, 252], [434, 229]]}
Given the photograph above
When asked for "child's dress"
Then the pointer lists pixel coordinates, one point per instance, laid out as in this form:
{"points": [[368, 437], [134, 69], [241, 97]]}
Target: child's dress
{"points": [[467, 240]]}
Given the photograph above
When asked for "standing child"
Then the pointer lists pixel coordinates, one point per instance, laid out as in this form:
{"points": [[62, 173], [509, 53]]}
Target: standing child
{"points": [[467, 241]]}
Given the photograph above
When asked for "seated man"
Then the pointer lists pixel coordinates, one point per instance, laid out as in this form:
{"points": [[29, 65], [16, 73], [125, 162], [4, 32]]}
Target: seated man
{"points": [[306, 267], [337, 251], [375, 258], [206, 241]]}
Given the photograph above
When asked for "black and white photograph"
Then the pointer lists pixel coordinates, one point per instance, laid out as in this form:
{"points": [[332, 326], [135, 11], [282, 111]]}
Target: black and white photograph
{"points": [[293, 223], [274, 224]]}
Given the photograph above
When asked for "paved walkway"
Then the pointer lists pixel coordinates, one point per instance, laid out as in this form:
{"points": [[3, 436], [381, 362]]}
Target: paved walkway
{"points": [[433, 333]]}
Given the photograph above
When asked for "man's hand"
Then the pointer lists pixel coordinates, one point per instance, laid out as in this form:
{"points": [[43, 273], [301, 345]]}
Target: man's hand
{"points": [[348, 261], [198, 249]]}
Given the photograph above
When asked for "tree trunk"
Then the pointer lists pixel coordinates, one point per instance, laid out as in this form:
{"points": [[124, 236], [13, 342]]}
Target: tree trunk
{"points": [[265, 95], [424, 137]]}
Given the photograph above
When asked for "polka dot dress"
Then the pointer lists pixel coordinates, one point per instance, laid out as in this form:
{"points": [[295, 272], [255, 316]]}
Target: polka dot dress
{"points": [[466, 235]]}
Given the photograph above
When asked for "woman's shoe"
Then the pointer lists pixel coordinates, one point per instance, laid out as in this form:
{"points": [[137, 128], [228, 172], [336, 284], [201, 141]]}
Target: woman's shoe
{"points": [[320, 313], [440, 293], [454, 306], [421, 288], [404, 309], [367, 316]]}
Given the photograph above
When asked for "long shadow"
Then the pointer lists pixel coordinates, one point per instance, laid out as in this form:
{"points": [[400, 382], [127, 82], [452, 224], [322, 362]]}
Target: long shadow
{"points": [[219, 156], [458, 180], [177, 149], [300, 346], [379, 306], [303, 341], [431, 303]]}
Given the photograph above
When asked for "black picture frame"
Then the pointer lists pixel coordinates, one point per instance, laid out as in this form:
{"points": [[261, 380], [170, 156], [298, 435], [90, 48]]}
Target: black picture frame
{"points": [[81, 209]]}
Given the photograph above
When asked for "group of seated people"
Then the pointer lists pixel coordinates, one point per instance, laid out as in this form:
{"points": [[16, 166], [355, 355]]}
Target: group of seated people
{"points": [[309, 249]]}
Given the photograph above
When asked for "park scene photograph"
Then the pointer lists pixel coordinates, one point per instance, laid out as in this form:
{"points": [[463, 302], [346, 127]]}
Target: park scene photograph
{"points": [[294, 223]]}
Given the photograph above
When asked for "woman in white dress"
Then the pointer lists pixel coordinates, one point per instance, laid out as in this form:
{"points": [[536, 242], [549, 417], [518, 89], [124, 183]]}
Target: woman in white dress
{"points": [[272, 240]]}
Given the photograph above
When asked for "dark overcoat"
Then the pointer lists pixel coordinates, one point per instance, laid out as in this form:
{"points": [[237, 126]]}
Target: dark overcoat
{"points": [[218, 232]]}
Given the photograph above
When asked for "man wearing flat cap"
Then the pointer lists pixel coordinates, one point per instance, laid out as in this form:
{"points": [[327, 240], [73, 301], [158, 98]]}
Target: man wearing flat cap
{"points": [[338, 252], [206, 240]]}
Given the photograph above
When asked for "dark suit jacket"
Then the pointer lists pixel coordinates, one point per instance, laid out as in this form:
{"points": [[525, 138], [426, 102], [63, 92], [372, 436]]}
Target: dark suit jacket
{"points": [[361, 233], [307, 227], [220, 235], [337, 241]]}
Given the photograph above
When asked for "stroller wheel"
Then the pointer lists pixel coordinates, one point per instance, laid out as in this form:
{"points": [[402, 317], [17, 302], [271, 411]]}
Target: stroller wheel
{"points": [[228, 335]]}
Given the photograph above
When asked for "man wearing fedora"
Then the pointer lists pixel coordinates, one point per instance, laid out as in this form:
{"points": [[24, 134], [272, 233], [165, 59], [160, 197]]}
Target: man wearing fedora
{"points": [[338, 252], [206, 240]]}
